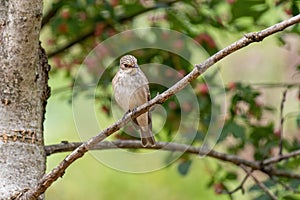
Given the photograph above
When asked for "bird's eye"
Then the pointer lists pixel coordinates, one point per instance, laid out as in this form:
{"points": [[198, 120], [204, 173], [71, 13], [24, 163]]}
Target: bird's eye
{"points": [[126, 65]]}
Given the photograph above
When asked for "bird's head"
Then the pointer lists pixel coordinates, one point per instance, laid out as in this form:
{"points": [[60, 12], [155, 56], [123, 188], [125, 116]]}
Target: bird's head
{"points": [[128, 62]]}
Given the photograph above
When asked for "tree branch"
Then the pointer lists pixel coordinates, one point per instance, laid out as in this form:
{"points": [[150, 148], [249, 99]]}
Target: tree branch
{"points": [[240, 187], [281, 157], [72, 43], [58, 171], [281, 121], [169, 146], [52, 12], [285, 186], [166, 146], [276, 85], [106, 25], [260, 184]]}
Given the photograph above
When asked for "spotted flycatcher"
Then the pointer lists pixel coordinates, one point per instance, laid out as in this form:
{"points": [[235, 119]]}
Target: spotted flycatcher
{"points": [[131, 89]]}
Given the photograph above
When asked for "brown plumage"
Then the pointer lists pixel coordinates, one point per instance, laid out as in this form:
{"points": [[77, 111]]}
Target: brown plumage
{"points": [[131, 90]]}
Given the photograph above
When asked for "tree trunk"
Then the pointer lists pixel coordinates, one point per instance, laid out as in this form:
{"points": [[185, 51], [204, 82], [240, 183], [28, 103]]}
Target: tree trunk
{"points": [[23, 96]]}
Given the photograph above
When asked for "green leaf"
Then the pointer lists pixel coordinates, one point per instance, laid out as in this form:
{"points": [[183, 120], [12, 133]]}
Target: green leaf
{"points": [[298, 121], [235, 129], [260, 132], [263, 197], [291, 197], [184, 167], [132, 9], [231, 176], [295, 8], [268, 183], [238, 131], [250, 8], [295, 184]]}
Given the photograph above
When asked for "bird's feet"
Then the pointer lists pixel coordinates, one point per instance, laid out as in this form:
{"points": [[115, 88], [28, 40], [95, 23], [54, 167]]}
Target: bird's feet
{"points": [[126, 113]]}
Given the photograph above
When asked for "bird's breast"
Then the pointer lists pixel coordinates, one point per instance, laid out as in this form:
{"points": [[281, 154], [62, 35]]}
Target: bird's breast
{"points": [[125, 86]]}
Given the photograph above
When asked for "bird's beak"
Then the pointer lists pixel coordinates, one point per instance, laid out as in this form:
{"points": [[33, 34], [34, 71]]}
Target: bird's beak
{"points": [[136, 66]]}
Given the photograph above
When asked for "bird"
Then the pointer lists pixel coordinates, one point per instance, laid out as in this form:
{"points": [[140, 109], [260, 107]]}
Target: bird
{"points": [[131, 89]]}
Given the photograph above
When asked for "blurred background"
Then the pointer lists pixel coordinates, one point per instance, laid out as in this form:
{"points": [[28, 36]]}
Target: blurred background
{"points": [[254, 79]]}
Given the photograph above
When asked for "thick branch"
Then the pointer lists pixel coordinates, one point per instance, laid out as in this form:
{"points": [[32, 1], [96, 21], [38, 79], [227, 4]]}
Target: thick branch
{"points": [[166, 146], [169, 146], [58, 171]]}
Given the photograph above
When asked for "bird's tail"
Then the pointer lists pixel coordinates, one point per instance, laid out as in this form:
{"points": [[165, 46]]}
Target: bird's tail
{"points": [[147, 138], [144, 124]]}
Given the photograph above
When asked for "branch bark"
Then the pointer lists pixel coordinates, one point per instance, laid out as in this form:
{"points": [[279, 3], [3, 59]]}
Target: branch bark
{"points": [[281, 121], [259, 183], [58, 171], [169, 146], [281, 157], [240, 187]]}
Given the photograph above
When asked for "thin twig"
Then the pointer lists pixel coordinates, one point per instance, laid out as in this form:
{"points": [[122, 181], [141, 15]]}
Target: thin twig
{"points": [[260, 184], [58, 171], [286, 187], [276, 85], [281, 121], [281, 157], [72, 43], [241, 186]]}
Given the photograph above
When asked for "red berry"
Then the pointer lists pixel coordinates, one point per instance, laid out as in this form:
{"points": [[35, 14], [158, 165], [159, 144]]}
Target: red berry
{"points": [[178, 44], [169, 73], [219, 188], [57, 62], [105, 109], [111, 32], [172, 105], [288, 11], [63, 28], [65, 14], [187, 107], [202, 88], [205, 38], [51, 42], [114, 2], [82, 16], [277, 133], [258, 103], [230, 1], [231, 86], [99, 29], [181, 72]]}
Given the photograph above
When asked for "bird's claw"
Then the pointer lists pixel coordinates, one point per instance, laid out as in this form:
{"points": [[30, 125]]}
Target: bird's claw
{"points": [[126, 113], [134, 109]]}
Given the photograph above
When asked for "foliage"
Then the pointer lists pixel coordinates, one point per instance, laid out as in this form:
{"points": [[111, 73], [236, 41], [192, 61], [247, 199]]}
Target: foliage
{"points": [[74, 28]]}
